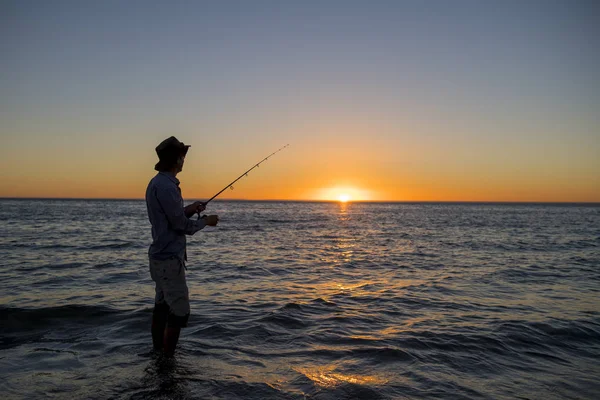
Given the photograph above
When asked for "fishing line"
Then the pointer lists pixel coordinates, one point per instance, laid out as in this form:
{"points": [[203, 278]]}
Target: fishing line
{"points": [[230, 186]]}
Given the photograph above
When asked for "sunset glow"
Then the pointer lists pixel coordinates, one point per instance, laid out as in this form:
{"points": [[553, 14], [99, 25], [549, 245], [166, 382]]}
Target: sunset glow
{"points": [[391, 102], [342, 194]]}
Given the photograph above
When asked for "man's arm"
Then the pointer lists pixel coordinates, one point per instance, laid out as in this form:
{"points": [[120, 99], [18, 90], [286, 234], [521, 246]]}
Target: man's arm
{"points": [[195, 207], [170, 201]]}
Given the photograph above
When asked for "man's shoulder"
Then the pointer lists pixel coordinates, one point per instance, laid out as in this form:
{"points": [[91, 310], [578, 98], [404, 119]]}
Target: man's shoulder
{"points": [[162, 180], [163, 185]]}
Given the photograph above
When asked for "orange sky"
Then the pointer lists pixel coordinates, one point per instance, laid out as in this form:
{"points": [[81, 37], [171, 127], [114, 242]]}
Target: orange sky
{"points": [[385, 101], [359, 168]]}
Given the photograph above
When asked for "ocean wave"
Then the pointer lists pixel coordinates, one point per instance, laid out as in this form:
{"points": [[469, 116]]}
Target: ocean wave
{"points": [[249, 331], [285, 321], [291, 306], [559, 333], [24, 319], [104, 265], [280, 221], [114, 246], [304, 310], [118, 277], [60, 266], [323, 302], [36, 245]]}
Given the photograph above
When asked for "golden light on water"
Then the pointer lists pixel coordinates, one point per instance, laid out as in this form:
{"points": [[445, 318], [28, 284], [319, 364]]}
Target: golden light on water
{"points": [[328, 377]]}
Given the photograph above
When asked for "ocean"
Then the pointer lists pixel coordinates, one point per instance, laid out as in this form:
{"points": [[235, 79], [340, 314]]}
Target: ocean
{"points": [[300, 300]]}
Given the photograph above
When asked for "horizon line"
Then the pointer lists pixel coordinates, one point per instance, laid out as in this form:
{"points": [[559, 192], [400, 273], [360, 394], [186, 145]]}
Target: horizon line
{"points": [[320, 201]]}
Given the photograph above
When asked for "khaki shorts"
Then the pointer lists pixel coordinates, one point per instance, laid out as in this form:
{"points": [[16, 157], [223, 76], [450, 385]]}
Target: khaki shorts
{"points": [[171, 287]]}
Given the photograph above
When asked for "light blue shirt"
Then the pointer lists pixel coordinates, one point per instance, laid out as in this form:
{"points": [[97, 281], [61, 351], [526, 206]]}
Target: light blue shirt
{"points": [[168, 219]]}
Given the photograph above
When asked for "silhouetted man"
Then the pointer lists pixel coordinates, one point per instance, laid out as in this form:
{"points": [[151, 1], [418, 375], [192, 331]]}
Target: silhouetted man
{"points": [[170, 224]]}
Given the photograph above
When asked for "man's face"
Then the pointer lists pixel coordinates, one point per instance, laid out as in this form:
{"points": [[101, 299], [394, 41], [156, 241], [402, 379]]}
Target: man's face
{"points": [[180, 161]]}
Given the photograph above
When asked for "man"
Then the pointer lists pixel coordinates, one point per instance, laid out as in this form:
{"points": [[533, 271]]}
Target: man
{"points": [[170, 223]]}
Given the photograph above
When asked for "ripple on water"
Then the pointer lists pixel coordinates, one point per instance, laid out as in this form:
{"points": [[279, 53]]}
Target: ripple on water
{"points": [[307, 300]]}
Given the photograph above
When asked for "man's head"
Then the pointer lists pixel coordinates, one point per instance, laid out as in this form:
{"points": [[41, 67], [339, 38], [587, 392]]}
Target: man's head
{"points": [[171, 153]]}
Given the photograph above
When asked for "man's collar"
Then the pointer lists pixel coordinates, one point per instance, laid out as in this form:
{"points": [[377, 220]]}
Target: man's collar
{"points": [[171, 176]]}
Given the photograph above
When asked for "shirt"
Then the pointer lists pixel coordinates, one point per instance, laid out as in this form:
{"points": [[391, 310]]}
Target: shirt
{"points": [[167, 216]]}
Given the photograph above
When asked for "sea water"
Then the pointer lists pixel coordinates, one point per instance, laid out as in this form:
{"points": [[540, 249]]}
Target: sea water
{"points": [[295, 300]]}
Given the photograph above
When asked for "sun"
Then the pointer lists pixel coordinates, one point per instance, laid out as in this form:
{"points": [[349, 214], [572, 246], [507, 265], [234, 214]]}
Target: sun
{"points": [[344, 198], [342, 194]]}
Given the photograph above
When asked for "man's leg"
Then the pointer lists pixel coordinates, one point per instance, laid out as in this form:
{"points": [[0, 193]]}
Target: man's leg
{"points": [[160, 314], [177, 297], [170, 340], [159, 323], [172, 331]]}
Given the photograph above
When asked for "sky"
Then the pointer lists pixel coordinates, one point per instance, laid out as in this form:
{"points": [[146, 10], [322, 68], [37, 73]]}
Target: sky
{"points": [[378, 100]]}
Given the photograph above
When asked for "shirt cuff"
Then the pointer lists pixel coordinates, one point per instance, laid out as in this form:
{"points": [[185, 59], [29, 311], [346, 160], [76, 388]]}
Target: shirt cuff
{"points": [[200, 223]]}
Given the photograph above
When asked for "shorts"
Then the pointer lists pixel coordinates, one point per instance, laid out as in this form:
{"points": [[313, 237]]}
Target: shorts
{"points": [[171, 289]]}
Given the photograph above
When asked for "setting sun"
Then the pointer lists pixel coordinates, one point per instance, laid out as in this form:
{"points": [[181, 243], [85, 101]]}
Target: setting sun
{"points": [[342, 194]]}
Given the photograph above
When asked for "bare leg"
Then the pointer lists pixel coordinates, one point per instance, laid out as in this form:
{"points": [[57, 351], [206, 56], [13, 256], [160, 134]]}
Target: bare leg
{"points": [[159, 323], [170, 340]]}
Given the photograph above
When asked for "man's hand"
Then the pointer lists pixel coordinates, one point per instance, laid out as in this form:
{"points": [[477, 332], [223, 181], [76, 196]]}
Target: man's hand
{"points": [[211, 220], [195, 208]]}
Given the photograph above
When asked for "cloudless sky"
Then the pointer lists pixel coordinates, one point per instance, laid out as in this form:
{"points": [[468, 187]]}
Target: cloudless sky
{"points": [[380, 100]]}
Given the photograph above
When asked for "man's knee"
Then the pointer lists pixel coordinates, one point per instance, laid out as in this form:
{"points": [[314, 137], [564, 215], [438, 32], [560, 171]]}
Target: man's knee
{"points": [[161, 312], [176, 321], [174, 316], [179, 311]]}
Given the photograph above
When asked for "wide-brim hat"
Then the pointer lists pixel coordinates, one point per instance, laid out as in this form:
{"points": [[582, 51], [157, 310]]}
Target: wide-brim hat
{"points": [[168, 152]]}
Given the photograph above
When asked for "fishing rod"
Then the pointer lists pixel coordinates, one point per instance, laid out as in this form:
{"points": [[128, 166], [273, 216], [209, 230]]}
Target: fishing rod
{"points": [[230, 186]]}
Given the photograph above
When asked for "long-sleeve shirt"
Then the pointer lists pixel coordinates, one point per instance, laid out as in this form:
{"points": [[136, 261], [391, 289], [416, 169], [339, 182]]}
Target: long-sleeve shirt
{"points": [[167, 216]]}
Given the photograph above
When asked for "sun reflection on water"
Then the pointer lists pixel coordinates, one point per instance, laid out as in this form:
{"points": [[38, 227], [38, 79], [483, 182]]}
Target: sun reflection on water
{"points": [[328, 377]]}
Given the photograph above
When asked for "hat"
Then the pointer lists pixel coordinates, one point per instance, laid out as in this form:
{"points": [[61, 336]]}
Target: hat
{"points": [[168, 151]]}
